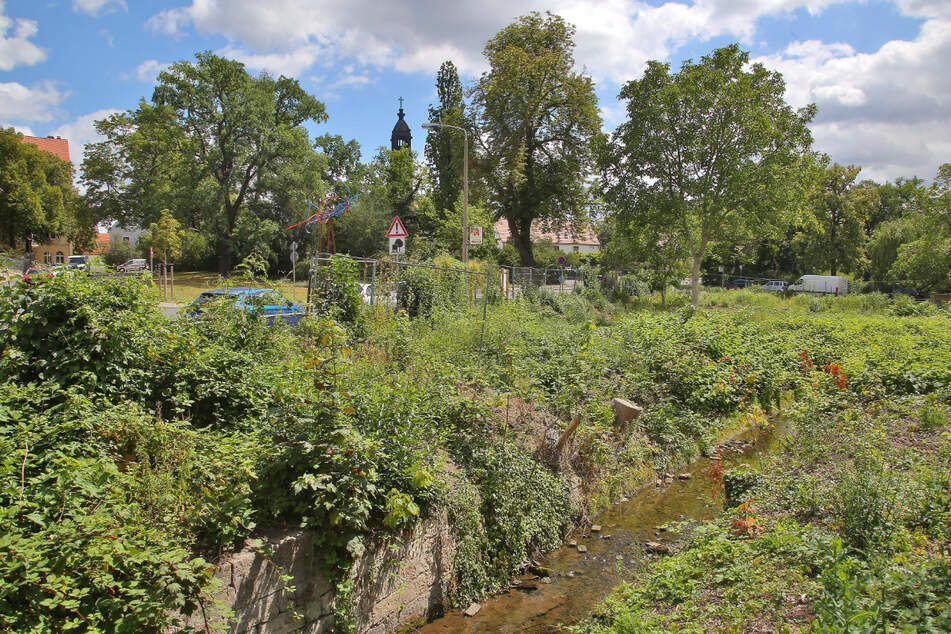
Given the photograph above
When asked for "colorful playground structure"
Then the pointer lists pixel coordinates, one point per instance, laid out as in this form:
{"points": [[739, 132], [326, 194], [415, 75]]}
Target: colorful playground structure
{"points": [[330, 207]]}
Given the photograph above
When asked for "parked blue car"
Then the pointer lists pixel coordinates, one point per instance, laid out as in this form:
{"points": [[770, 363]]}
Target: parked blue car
{"points": [[265, 302]]}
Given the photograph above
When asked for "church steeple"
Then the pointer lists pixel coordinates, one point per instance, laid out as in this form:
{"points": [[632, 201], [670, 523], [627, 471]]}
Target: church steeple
{"points": [[401, 136]]}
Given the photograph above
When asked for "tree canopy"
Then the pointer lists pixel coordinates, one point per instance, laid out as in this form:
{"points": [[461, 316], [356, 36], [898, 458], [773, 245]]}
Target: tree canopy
{"points": [[836, 237], [37, 197], [537, 117], [444, 147], [213, 140], [711, 153]]}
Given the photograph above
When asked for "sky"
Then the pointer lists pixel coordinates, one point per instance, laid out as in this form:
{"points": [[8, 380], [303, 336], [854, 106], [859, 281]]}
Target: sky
{"points": [[878, 70]]}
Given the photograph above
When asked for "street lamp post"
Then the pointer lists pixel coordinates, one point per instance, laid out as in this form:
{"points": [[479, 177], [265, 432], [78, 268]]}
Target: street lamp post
{"points": [[465, 186]]}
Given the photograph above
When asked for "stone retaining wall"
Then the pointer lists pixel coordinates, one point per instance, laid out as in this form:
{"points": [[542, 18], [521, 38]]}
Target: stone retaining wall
{"points": [[396, 581]]}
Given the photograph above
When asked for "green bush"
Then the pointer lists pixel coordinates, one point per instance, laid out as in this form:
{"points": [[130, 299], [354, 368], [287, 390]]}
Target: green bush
{"points": [[336, 290], [100, 505], [525, 509], [119, 252]]}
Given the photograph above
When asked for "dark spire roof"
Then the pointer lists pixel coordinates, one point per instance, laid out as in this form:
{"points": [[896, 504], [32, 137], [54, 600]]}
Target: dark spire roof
{"points": [[401, 136]]}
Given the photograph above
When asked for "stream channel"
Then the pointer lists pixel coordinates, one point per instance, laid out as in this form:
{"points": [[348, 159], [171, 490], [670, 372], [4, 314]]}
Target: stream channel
{"points": [[581, 580]]}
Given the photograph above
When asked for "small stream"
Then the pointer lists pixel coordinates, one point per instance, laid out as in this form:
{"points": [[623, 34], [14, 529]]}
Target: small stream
{"points": [[581, 580]]}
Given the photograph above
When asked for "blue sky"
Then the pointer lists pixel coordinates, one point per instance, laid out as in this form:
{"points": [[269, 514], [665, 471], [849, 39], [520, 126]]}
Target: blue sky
{"points": [[876, 69]]}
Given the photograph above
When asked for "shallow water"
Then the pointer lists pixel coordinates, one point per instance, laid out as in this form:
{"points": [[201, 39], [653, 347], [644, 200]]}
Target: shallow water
{"points": [[580, 581]]}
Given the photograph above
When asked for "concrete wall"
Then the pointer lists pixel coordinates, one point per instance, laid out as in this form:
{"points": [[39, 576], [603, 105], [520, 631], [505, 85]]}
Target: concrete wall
{"points": [[396, 581]]}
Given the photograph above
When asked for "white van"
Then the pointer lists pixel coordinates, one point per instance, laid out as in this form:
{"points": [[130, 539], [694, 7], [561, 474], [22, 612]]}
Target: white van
{"points": [[821, 284], [135, 264]]}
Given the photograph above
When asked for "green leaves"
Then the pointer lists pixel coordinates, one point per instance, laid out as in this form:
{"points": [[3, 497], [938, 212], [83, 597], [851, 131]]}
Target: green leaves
{"points": [[711, 152], [213, 144], [537, 118]]}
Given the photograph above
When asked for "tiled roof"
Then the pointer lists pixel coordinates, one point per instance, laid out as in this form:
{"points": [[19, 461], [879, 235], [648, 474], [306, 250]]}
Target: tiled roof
{"points": [[53, 145], [567, 235]]}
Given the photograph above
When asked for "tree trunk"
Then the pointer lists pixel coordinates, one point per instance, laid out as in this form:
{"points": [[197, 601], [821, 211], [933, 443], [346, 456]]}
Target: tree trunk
{"points": [[522, 239], [695, 277], [224, 243], [224, 256]]}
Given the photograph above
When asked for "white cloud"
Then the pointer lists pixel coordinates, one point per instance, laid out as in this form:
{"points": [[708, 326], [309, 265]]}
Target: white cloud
{"points": [[19, 103], [862, 97], [16, 49], [148, 70], [290, 63], [80, 132], [614, 37], [94, 7], [889, 111]]}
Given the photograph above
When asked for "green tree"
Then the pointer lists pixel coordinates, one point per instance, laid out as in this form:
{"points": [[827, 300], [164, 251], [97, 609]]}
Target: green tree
{"points": [[537, 117], [119, 252], [403, 179], [444, 151], [882, 249], [214, 140], [36, 191], [926, 260], [447, 233], [836, 238], [138, 169], [663, 257], [165, 236], [709, 153], [890, 201]]}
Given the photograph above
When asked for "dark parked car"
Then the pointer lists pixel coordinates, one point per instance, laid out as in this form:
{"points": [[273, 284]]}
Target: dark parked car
{"points": [[265, 302], [742, 282], [913, 293]]}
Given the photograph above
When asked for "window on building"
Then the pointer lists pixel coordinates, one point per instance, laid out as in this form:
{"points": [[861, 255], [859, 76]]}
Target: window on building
{"points": [[47, 257], [59, 257]]}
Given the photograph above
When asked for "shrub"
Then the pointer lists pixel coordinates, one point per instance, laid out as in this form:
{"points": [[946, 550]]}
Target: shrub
{"points": [[865, 507], [336, 290], [99, 506], [119, 252]]}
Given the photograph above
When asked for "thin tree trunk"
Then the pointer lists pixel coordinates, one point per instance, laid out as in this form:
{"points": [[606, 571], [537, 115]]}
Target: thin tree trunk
{"points": [[695, 278], [224, 256]]}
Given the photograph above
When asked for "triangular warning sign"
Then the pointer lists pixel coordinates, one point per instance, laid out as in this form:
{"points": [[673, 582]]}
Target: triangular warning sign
{"points": [[397, 230]]}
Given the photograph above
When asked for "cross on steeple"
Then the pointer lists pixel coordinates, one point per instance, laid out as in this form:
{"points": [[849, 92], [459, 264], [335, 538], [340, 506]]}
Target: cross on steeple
{"points": [[401, 103]]}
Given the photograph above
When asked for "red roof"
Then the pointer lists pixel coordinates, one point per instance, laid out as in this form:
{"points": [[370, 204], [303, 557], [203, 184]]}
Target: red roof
{"points": [[53, 145], [568, 235], [102, 243]]}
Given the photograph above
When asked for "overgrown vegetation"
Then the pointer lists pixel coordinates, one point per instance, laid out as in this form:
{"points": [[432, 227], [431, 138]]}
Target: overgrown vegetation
{"points": [[136, 448], [847, 528]]}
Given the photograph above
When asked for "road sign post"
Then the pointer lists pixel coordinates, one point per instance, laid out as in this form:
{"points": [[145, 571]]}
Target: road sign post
{"points": [[397, 235]]}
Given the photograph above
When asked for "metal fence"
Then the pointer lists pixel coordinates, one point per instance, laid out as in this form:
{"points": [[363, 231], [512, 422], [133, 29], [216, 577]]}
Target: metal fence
{"points": [[419, 288]]}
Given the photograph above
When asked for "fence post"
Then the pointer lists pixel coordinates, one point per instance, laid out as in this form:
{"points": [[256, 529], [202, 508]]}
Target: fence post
{"points": [[485, 305], [373, 285]]}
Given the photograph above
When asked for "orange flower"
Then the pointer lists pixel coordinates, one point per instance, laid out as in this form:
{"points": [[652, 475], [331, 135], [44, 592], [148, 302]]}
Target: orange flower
{"points": [[841, 385]]}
